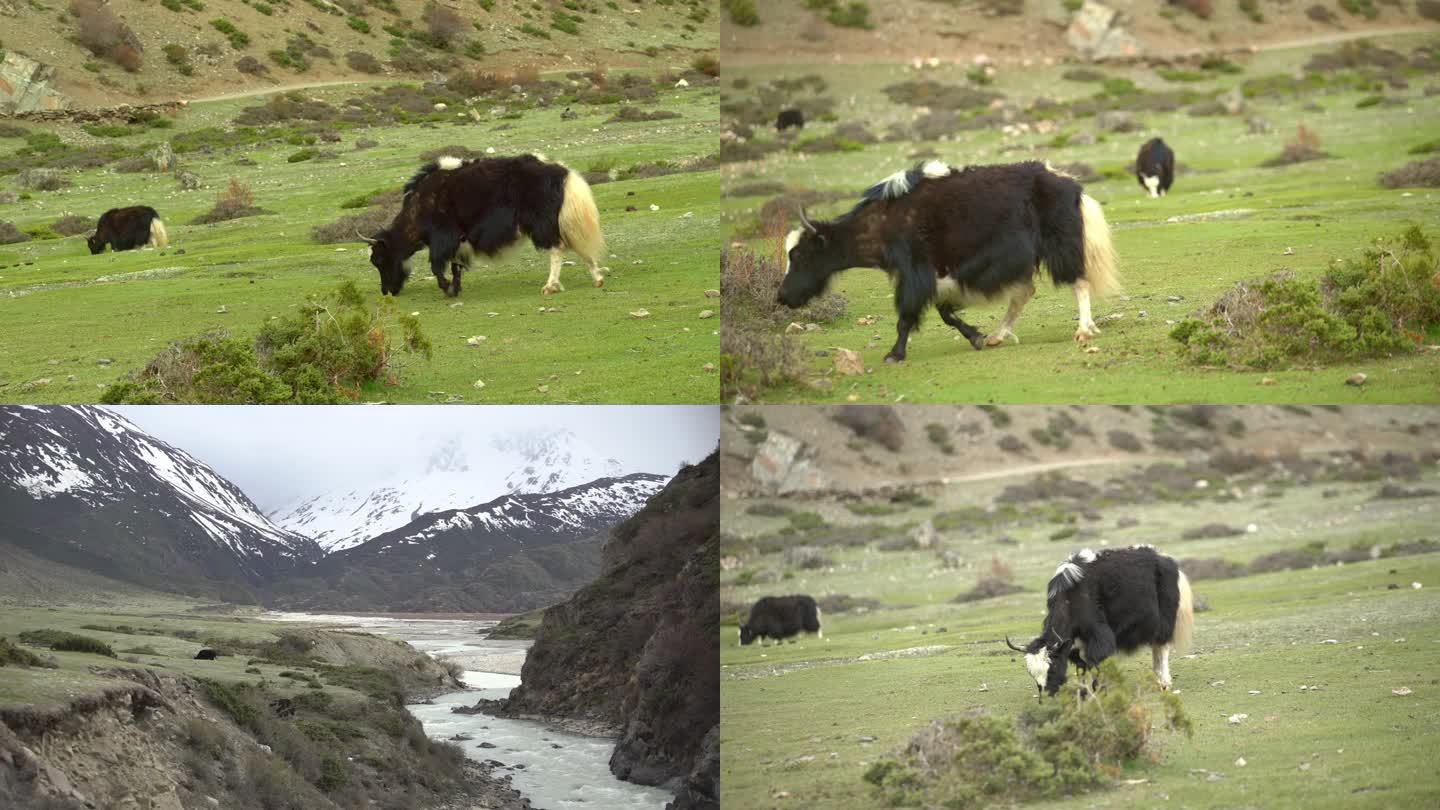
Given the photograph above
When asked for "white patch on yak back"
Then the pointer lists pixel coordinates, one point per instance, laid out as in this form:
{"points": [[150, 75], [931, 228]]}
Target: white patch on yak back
{"points": [[897, 184], [934, 168], [449, 162], [1069, 573], [1084, 555], [791, 240]]}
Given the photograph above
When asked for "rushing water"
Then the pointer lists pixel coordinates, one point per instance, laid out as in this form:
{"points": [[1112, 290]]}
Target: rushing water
{"points": [[554, 769]]}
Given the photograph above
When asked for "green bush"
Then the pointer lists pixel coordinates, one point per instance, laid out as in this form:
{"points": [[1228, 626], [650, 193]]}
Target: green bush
{"points": [[566, 23], [238, 39], [1061, 747], [1383, 304], [62, 641], [301, 156], [742, 12], [324, 353], [18, 656]]}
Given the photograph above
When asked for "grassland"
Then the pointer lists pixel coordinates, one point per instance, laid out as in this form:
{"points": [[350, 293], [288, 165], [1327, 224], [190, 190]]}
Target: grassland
{"points": [[1226, 220], [1311, 656], [63, 312]]}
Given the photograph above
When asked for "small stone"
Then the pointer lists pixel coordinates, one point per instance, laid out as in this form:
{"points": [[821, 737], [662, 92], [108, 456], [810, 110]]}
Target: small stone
{"points": [[867, 739], [708, 368], [479, 384], [640, 313], [848, 363], [1289, 251], [457, 305], [222, 310], [1266, 381], [1174, 299], [712, 293], [1236, 719], [1401, 692], [476, 340], [415, 314], [1240, 762], [706, 313], [654, 207], [1357, 379], [544, 389], [1417, 586], [794, 329]]}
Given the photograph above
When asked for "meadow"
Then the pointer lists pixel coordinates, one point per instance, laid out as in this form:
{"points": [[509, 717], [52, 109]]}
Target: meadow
{"points": [[1226, 220], [71, 324], [1290, 684]]}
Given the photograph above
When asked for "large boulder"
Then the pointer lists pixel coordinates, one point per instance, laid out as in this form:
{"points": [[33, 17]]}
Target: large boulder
{"points": [[25, 86], [1096, 31], [783, 464]]}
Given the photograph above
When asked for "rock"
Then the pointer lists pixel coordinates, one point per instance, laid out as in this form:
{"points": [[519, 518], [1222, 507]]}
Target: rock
{"points": [[486, 745], [848, 363], [479, 384], [706, 313], [1257, 125], [163, 157], [441, 106], [1236, 719], [1234, 101], [794, 328], [1266, 381], [1401, 692], [1115, 121], [189, 181], [25, 85], [461, 738], [712, 293], [1356, 379], [784, 463], [1096, 33], [475, 340], [682, 83], [640, 313], [104, 361]]}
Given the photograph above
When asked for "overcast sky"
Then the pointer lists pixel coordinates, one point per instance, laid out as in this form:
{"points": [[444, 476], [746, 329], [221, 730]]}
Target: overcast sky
{"points": [[275, 453]]}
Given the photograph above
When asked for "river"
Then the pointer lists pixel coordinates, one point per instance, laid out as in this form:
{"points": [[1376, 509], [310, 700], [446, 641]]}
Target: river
{"points": [[554, 769]]}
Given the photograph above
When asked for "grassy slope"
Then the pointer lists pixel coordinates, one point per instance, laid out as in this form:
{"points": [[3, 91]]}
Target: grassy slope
{"points": [[1324, 210], [590, 350], [1262, 633]]}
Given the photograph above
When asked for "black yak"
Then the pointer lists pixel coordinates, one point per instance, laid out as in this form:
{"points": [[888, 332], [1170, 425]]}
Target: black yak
{"points": [[1155, 167], [788, 119], [1118, 600], [458, 208], [779, 618], [206, 654], [959, 237], [127, 229]]}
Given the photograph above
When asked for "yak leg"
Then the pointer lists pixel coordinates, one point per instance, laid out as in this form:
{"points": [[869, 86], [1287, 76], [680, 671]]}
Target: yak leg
{"points": [[1018, 299], [902, 332], [553, 285], [1161, 656], [1087, 328], [947, 314], [443, 245]]}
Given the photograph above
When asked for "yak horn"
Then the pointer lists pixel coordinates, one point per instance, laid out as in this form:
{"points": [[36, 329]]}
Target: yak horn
{"points": [[805, 221], [1011, 645], [365, 238]]}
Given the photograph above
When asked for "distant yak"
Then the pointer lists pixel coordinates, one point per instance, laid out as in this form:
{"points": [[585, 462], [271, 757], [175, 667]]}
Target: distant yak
{"points": [[1155, 167], [206, 654], [458, 208], [127, 229], [791, 118], [781, 617], [1118, 600], [960, 237]]}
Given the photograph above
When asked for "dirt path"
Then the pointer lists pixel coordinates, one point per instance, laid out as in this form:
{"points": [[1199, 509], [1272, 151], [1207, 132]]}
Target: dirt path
{"points": [[279, 88], [1343, 36]]}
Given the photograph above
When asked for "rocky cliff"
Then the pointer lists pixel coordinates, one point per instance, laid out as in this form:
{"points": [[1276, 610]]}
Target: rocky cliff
{"points": [[633, 651]]}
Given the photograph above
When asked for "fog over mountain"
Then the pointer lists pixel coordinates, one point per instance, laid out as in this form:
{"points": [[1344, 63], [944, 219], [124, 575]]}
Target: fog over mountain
{"points": [[342, 449]]}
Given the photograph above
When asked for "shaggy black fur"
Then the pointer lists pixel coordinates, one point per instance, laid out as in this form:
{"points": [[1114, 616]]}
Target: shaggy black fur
{"points": [[987, 227], [489, 203], [1155, 160], [122, 229], [1127, 599], [780, 617]]}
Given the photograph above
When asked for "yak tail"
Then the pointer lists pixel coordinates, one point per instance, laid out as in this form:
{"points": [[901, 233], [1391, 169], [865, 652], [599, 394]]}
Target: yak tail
{"points": [[1184, 617], [158, 237], [1100, 269], [580, 220]]}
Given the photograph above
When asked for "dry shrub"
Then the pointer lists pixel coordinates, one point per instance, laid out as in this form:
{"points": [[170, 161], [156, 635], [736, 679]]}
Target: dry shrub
{"points": [[806, 557], [103, 34], [876, 423], [1429, 9], [40, 180], [748, 283], [235, 202], [633, 114], [363, 62], [1320, 13], [1211, 568], [71, 224], [998, 581], [9, 234], [1421, 173], [445, 26], [344, 229], [1305, 147], [758, 188], [1083, 172], [251, 66], [934, 95], [1211, 531], [1287, 560], [1200, 8], [844, 603]]}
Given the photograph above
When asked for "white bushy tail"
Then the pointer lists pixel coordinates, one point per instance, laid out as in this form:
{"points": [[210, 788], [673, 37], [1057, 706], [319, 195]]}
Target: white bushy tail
{"points": [[158, 237], [1184, 617], [580, 220], [1100, 263]]}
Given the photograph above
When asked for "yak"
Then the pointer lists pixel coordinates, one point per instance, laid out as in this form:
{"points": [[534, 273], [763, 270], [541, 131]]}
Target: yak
{"points": [[206, 654], [1117, 600], [1155, 167], [127, 229], [957, 237], [788, 119], [779, 618], [458, 208]]}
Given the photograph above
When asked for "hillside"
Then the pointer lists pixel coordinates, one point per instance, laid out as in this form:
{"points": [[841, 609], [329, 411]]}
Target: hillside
{"points": [[631, 650], [1014, 31], [176, 49]]}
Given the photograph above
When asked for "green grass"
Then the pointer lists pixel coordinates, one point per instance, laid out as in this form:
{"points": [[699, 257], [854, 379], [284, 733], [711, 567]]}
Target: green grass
{"points": [[1323, 210], [73, 309], [1354, 739]]}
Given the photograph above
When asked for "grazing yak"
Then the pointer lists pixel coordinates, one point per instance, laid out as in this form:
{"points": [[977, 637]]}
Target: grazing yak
{"points": [[1118, 600], [127, 229], [788, 119], [779, 618], [206, 654], [957, 237], [1155, 167], [458, 208]]}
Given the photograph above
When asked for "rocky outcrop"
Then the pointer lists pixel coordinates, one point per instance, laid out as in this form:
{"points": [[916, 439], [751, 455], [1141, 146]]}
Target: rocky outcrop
{"points": [[634, 650], [25, 86], [1096, 31]]}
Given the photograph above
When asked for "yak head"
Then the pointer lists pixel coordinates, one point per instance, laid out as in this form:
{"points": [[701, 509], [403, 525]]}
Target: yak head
{"points": [[1046, 658], [389, 259], [97, 245], [813, 253], [747, 635]]}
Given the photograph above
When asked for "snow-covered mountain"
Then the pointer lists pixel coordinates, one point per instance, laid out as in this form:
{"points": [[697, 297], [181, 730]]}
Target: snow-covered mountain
{"points": [[529, 462], [516, 552], [85, 487]]}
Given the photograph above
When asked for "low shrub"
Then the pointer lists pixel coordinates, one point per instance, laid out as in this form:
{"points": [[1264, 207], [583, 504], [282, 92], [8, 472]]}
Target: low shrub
{"points": [[11, 655], [99, 31], [235, 202], [63, 641], [1420, 174], [363, 62], [742, 12]]}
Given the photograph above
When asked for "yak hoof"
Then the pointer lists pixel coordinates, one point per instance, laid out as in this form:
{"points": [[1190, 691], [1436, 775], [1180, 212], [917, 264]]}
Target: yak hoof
{"points": [[1083, 334], [551, 289], [978, 341], [599, 282], [894, 358]]}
